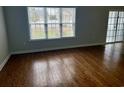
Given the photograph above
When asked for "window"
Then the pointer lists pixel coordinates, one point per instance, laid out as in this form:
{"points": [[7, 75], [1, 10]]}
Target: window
{"points": [[51, 23], [68, 22], [115, 30]]}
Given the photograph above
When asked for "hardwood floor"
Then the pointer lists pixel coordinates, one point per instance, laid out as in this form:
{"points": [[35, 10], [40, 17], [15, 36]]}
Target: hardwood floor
{"points": [[87, 66]]}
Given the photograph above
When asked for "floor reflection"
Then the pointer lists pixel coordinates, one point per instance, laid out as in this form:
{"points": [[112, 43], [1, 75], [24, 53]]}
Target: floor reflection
{"points": [[112, 55], [87, 66], [53, 71], [39, 73]]}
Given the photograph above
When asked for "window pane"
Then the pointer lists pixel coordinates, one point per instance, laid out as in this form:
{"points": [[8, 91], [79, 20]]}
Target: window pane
{"points": [[113, 13], [112, 21], [53, 15], [110, 39], [121, 14], [120, 26], [120, 20], [68, 15], [111, 33], [36, 15], [53, 31], [37, 31], [68, 30], [119, 38], [111, 27]]}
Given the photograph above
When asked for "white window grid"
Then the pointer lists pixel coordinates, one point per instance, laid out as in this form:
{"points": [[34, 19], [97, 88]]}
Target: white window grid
{"points": [[46, 23]]}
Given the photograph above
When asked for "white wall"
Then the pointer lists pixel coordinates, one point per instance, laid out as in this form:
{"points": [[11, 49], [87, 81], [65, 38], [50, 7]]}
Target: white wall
{"points": [[91, 28], [3, 38]]}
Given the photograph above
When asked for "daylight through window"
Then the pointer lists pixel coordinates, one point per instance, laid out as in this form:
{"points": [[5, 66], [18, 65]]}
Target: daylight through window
{"points": [[51, 23], [115, 30]]}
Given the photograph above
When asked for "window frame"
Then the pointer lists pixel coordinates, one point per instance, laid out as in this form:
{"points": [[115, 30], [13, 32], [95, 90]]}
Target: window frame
{"points": [[46, 24]]}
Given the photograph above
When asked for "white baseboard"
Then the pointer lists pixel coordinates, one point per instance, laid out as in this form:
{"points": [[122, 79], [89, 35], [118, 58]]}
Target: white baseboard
{"points": [[57, 48], [41, 50], [4, 62]]}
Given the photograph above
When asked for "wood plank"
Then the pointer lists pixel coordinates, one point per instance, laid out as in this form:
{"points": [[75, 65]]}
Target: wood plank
{"points": [[77, 67]]}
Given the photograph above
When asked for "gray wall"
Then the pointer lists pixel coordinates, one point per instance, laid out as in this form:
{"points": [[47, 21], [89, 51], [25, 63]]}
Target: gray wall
{"points": [[91, 24], [3, 38]]}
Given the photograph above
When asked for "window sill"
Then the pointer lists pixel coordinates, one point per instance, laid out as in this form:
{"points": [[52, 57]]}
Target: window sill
{"points": [[62, 38]]}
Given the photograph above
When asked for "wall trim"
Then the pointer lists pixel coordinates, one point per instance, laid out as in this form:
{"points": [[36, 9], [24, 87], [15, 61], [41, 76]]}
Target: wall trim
{"points": [[41, 50], [4, 62], [57, 48]]}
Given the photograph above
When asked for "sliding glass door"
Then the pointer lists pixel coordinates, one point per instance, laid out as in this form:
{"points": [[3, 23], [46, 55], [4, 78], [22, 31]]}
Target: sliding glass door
{"points": [[115, 30]]}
